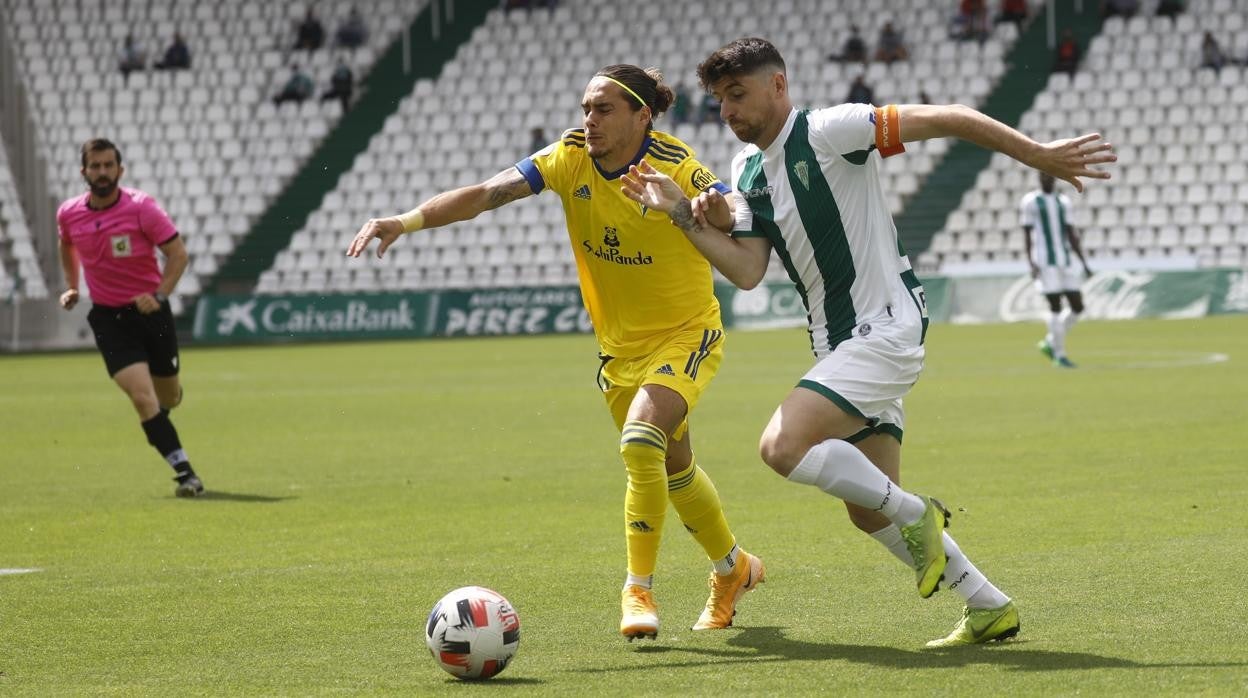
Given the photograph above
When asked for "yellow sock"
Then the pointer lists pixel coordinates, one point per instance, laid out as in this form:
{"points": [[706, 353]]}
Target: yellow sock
{"points": [[696, 500], [644, 448]]}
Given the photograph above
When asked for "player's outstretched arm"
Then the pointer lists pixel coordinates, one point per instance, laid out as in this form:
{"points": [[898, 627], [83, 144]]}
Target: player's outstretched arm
{"points": [[448, 207], [743, 262], [1068, 159]]}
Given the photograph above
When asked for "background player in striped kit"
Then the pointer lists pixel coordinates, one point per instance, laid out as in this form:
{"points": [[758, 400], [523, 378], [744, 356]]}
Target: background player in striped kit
{"points": [[1049, 239], [807, 186]]}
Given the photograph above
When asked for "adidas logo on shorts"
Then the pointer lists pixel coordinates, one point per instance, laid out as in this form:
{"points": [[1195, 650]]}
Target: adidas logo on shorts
{"points": [[665, 370]]}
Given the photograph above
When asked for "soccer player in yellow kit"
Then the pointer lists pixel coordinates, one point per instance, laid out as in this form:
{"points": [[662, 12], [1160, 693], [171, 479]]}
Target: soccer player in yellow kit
{"points": [[649, 295]]}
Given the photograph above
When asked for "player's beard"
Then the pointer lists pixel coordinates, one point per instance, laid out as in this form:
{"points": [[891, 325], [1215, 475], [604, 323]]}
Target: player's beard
{"points": [[103, 187]]}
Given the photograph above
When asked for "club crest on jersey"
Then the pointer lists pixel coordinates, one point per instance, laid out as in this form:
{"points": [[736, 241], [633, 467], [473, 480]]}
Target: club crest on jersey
{"points": [[610, 239], [702, 179], [802, 170]]}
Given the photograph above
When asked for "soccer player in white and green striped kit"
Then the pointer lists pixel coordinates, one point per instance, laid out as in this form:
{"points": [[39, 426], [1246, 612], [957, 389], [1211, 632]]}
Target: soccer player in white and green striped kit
{"points": [[807, 185], [1049, 239]]}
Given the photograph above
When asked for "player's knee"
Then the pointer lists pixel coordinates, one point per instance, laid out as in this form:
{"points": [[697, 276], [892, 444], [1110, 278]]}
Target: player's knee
{"points": [[781, 453], [145, 403], [1076, 304], [1055, 302]]}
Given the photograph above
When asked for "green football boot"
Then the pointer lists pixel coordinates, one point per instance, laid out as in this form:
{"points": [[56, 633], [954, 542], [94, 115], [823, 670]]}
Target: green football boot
{"points": [[1045, 348], [980, 625], [924, 540]]}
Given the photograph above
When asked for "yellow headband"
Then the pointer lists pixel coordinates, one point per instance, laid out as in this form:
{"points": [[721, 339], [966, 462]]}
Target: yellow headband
{"points": [[626, 89]]}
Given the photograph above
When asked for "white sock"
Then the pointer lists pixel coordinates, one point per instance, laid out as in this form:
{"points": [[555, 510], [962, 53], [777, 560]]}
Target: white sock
{"points": [[1057, 335], [1069, 318], [964, 579], [890, 537], [726, 564], [843, 471], [633, 580]]}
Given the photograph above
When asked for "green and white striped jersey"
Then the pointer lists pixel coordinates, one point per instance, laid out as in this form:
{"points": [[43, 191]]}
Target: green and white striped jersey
{"points": [[1047, 215], [815, 194]]}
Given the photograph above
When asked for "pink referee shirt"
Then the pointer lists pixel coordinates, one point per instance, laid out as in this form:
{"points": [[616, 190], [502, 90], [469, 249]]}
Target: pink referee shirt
{"points": [[117, 245]]}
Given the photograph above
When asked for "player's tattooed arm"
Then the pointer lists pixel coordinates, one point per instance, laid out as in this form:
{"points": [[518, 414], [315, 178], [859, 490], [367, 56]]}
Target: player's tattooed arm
{"points": [[505, 187], [682, 217]]}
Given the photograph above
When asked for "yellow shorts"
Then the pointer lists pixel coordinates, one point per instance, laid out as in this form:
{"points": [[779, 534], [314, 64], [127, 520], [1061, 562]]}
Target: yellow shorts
{"points": [[686, 363]]}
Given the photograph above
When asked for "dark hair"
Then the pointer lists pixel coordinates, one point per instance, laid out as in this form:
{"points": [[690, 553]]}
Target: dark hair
{"points": [[96, 145], [648, 84], [741, 57]]}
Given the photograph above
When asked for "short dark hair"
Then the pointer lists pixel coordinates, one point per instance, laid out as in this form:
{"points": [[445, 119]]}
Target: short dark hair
{"points": [[647, 84], [96, 145], [741, 57]]}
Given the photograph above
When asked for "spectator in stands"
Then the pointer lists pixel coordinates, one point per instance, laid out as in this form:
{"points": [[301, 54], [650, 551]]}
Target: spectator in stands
{"points": [[971, 22], [924, 98], [297, 88], [860, 92], [890, 46], [1119, 8], [1211, 54], [709, 110], [658, 325], [537, 139], [1067, 55], [130, 314], [352, 33], [1013, 11], [311, 33], [341, 85], [1170, 8], [680, 110], [131, 57], [177, 55], [1048, 240], [854, 50]]}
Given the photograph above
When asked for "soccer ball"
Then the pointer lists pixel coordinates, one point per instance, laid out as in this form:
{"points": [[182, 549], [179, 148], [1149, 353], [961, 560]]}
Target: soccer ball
{"points": [[473, 633]]}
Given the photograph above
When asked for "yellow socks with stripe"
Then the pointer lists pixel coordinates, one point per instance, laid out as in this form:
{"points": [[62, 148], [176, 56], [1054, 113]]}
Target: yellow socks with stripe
{"points": [[644, 449], [697, 502]]}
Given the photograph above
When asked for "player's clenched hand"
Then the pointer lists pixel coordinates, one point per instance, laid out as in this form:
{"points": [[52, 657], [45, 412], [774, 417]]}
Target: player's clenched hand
{"points": [[387, 230], [649, 187], [146, 303], [69, 299], [1072, 158], [711, 210]]}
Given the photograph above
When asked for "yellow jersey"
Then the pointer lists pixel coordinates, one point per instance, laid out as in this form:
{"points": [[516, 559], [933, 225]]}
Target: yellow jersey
{"points": [[641, 278]]}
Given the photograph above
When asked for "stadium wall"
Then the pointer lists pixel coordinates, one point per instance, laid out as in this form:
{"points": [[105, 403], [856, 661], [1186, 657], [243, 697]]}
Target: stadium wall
{"points": [[1109, 295]]}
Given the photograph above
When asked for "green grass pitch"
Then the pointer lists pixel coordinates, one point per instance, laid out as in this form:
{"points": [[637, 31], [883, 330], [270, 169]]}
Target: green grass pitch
{"points": [[354, 484]]}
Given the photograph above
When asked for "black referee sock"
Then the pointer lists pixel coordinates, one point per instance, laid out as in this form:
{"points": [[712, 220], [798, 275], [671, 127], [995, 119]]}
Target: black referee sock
{"points": [[164, 438]]}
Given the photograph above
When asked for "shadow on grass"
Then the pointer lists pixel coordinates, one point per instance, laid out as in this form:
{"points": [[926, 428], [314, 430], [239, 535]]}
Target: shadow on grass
{"points": [[770, 644], [222, 496], [496, 681]]}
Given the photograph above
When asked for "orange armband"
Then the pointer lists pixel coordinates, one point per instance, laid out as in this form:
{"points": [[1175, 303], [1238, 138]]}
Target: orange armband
{"points": [[888, 131]]}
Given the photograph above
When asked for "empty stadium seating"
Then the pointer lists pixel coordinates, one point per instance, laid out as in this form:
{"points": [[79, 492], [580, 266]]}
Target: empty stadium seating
{"points": [[19, 268], [474, 120], [1179, 189], [207, 142]]}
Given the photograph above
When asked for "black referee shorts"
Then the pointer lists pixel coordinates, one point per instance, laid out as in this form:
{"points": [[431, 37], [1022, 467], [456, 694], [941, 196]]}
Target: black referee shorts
{"points": [[125, 336]]}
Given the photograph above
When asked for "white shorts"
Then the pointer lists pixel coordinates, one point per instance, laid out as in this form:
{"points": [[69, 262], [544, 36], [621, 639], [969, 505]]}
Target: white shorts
{"points": [[1053, 279], [868, 374]]}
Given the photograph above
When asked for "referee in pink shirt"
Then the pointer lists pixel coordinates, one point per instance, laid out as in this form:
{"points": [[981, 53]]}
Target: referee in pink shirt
{"points": [[114, 232]]}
